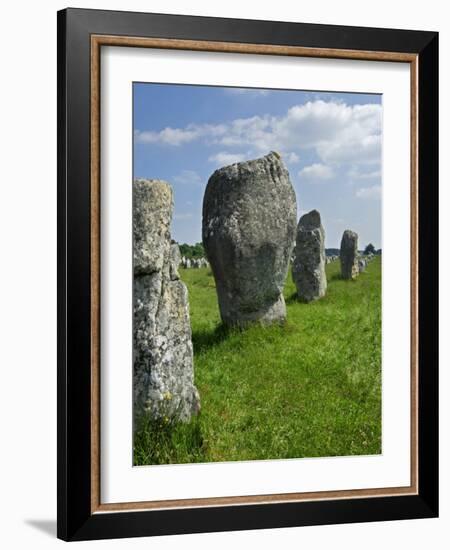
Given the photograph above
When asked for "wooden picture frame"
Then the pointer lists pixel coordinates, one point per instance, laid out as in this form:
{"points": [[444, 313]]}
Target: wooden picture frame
{"points": [[81, 35]]}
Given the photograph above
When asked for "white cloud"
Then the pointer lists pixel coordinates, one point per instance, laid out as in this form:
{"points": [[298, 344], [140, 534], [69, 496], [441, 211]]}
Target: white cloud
{"points": [[319, 124], [179, 136], [359, 150], [223, 158], [316, 173], [356, 173], [337, 132], [169, 136], [188, 177], [373, 192], [291, 157]]}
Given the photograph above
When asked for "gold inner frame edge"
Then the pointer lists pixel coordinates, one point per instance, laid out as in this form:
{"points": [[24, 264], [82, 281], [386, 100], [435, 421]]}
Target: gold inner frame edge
{"points": [[97, 41]]}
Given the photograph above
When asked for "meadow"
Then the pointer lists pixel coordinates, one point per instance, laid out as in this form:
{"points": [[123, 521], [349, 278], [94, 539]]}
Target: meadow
{"points": [[308, 388]]}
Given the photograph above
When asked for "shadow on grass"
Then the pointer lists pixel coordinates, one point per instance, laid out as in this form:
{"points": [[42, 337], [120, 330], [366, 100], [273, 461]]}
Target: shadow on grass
{"points": [[292, 299], [203, 340]]}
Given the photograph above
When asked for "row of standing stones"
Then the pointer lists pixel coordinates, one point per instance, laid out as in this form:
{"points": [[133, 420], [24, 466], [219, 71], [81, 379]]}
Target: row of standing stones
{"points": [[195, 263], [250, 234]]}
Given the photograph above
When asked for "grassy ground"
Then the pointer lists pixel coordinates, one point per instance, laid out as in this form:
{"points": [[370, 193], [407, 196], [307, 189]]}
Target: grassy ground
{"points": [[306, 389]]}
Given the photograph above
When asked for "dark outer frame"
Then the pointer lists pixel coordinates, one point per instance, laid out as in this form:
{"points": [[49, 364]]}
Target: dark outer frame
{"points": [[77, 519]]}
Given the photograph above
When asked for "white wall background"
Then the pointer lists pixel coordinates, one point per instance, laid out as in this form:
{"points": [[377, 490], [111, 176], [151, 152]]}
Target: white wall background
{"points": [[28, 272]]}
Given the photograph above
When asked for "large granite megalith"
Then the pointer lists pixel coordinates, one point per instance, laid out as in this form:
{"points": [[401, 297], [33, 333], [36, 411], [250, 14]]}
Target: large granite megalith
{"points": [[163, 379], [308, 269], [249, 221], [349, 255]]}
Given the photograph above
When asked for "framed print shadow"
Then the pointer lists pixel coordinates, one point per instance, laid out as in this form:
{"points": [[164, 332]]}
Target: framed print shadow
{"points": [[247, 274]]}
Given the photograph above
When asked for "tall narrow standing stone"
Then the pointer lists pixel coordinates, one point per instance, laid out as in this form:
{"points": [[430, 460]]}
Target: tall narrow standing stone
{"points": [[249, 219], [163, 379], [308, 270], [349, 255]]}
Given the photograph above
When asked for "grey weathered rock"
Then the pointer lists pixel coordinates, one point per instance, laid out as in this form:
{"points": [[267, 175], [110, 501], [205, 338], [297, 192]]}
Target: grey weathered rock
{"points": [[249, 219], [308, 270], [349, 255], [362, 264], [174, 261], [163, 379], [152, 215]]}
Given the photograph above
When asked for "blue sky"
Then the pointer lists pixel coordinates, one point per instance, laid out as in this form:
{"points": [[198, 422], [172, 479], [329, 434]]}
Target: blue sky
{"points": [[330, 143]]}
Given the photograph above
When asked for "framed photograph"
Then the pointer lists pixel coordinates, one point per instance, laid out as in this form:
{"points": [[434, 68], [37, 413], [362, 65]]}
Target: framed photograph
{"points": [[247, 257]]}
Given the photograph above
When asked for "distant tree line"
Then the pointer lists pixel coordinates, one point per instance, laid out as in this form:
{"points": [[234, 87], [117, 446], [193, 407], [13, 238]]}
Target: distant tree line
{"points": [[192, 251], [370, 249]]}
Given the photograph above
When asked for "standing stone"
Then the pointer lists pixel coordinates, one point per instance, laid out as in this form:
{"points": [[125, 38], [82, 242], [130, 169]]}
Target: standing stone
{"points": [[308, 270], [362, 265], [249, 219], [349, 255], [163, 358]]}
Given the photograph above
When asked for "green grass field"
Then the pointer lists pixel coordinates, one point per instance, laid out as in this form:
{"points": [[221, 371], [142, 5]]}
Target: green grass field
{"points": [[309, 388]]}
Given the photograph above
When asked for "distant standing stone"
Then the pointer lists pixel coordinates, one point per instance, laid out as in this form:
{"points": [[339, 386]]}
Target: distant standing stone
{"points": [[308, 270], [163, 378], [349, 255], [249, 222]]}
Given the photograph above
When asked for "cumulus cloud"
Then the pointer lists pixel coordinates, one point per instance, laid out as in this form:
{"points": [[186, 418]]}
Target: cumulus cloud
{"points": [[316, 173], [373, 192], [291, 157], [223, 158], [338, 133], [355, 173], [168, 136], [359, 150], [188, 177], [320, 124], [179, 136]]}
